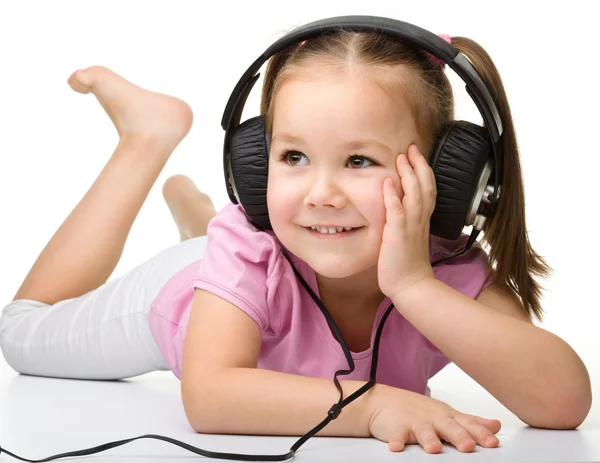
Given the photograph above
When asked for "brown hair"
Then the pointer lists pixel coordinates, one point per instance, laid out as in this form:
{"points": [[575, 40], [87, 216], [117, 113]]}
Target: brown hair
{"points": [[426, 88]]}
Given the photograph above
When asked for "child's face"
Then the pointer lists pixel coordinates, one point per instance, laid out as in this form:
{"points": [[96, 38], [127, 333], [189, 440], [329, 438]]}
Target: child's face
{"points": [[318, 184]]}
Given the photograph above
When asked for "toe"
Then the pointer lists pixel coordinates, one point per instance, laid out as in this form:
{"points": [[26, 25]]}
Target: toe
{"points": [[80, 82]]}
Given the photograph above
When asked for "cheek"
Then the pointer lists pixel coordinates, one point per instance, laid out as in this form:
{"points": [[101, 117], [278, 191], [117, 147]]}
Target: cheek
{"points": [[277, 200], [371, 206]]}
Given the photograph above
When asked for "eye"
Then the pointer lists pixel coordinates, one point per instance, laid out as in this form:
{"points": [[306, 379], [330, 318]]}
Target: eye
{"points": [[287, 155], [356, 157], [356, 161]]}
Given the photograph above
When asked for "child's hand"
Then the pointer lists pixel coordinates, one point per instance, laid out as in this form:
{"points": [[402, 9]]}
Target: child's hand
{"points": [[404, 254], [402, 417]]}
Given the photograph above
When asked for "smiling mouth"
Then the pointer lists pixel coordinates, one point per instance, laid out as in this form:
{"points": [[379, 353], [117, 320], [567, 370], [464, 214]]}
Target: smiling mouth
{"points": [[332, 231]]}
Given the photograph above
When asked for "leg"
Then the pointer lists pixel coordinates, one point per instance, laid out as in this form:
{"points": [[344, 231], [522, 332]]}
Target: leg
{"points": [[86, 248], [191, 209], [112, 332]]}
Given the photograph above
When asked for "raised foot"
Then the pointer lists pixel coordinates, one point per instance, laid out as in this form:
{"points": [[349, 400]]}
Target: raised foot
{"points": [[156, 118]]}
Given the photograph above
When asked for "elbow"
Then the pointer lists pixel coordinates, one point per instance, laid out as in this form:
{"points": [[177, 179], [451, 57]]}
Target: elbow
{"points": [[194, 416], [192, 408], [197, 407], [198, 414], [566, 399], [563, 410], [579, 408]]}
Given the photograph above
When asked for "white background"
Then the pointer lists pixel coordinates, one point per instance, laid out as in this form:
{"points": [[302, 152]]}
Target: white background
{"points": [[54, 142]]}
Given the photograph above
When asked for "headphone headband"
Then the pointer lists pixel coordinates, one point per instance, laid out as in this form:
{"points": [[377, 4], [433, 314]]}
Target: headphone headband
{"points": [[413, 35]]}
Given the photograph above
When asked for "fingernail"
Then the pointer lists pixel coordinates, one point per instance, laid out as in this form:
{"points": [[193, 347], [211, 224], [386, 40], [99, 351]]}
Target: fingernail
{"points": [[403, 159]]}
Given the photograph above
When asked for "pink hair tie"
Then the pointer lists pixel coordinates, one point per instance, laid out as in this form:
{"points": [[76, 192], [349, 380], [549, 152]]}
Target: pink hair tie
{"points": [[435, 59]]}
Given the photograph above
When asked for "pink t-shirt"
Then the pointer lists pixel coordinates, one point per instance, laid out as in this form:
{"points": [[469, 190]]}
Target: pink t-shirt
{"points": [[246, 267]]}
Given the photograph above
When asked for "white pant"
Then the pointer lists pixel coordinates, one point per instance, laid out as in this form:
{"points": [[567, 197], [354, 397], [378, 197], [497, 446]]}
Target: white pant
{"points": [[103, 334]]}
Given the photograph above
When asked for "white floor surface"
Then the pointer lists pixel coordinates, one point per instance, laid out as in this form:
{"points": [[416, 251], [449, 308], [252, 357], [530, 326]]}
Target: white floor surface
{"points": [[41, 417]]}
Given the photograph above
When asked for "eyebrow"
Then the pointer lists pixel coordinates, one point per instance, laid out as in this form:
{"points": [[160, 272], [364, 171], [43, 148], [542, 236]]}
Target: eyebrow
{"points": [[282, 137]]}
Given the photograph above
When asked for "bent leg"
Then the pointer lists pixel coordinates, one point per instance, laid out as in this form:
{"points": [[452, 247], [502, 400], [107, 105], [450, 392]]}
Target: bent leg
{"points": [[84, 251]]}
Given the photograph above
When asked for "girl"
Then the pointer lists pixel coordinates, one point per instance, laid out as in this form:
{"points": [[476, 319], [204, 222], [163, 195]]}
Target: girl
{"points": [[351, 119]]}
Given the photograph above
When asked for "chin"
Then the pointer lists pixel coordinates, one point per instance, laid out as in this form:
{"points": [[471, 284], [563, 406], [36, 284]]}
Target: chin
{"points": [[332, 271], [334, 265]]}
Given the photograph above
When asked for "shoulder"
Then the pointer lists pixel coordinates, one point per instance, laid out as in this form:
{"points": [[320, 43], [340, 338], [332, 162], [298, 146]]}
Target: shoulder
{"points": [[240, 263], [472, 274], [441, 247], [505, 301], [232, 216], [232, 228], [469, 273], [232, 240]]}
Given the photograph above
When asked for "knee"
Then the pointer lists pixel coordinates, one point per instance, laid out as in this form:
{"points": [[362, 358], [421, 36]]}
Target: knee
{"points": [[11, 340]]}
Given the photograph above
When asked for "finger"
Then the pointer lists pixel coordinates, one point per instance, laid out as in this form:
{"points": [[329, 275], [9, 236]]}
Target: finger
{"points": [[413, 200], [482, 435], [395, 214], [398, 438], [400, 190], [493, 425], [427, 438], [454, 433], [426, 179]]}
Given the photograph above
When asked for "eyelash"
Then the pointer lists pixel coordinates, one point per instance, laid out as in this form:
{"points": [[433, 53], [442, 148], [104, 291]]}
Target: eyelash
{"points": [[283, 157]]}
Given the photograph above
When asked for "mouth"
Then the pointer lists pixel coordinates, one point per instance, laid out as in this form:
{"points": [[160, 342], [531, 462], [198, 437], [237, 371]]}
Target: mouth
{"points": [[332, 232]]}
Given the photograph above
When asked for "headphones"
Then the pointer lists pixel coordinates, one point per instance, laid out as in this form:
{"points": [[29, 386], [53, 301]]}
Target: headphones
{"points": [[460, 162], [461, 158]]}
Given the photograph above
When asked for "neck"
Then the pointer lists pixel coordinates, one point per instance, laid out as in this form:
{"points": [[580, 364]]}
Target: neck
{"points": [[359, 293]]}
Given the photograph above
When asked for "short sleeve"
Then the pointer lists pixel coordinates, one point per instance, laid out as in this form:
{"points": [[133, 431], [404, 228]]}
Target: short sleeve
{"points": [[237, 263], [490, 279], [469, 273]]}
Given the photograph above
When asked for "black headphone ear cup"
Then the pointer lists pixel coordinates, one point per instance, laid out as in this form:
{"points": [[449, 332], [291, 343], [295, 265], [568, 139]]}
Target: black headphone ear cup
{"points": [[457, 162], [250, 169]]}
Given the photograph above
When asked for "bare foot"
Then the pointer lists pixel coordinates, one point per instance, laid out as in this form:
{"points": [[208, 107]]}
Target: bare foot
{"points": [[191, 209], [154, 117]]}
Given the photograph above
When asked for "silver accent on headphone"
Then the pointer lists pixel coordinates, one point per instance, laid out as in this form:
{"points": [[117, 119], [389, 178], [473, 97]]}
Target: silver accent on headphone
{"points": [[489, 191], [477, 214], [231, 180], [479, 221]]}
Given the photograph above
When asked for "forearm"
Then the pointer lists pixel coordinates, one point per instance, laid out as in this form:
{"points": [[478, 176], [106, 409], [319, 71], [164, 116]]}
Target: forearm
{"points": [[533, 372], [264, 402]]}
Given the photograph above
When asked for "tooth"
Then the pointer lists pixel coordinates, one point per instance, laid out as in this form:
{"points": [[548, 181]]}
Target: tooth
{"points": [[330, 230]]}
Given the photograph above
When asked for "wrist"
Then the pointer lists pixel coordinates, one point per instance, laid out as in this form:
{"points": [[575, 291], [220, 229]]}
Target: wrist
{"points": [[416, 288], [380, 395]]}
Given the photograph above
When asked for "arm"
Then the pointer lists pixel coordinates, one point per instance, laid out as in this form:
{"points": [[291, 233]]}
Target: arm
{"points": [[263, 402], [224, 392], [533, 372]]}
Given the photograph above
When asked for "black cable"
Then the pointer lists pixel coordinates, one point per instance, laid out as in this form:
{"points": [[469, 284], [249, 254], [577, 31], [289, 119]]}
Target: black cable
{"points": [[474, 233], [332, 414]]}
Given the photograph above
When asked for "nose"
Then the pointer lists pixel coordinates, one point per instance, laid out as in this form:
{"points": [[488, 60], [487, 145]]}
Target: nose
{"points": [[325, 193]]}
